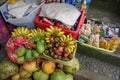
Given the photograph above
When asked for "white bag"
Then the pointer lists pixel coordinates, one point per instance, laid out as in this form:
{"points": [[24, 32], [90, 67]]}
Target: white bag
{"points": [[26, 21], [63, 12]]}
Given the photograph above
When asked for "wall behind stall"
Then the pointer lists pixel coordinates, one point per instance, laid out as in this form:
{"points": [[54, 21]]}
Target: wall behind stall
{"points": [[109, 5]]}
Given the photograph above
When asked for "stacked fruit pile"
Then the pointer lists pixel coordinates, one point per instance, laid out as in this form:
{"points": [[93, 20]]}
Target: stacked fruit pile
{"points": [[27, 44], [46, 70], [41, 69], [59, 45], [23, 45]]}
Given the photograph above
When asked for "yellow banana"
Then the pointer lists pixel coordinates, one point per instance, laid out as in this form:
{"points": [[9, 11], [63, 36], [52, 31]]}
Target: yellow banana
{"points": [[18, 30], [49, 30], [60, 33], [42, 33], [52, 28], [47, 39], [56, 30], [71, 42], [64, 38], [27, 31], [13, 34], [59, 29], [35, 31], [70, 37], [67, 39], [39, 31], [61, 38], [71, 46], [69, 50], [29, 35], [22, 30], [48, 34]]}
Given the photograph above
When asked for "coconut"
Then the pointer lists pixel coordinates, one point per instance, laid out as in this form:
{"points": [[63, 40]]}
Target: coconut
{"points": [[68, 76], [7, 68], [40, 75], [58, 74], [75, 67]]}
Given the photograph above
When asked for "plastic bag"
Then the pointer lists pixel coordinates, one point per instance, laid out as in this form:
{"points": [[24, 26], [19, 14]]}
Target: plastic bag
{"points": [[4, 34], [27, 21], [65, 13]]}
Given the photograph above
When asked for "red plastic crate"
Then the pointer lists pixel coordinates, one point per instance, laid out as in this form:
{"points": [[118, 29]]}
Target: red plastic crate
{"points": [[75, 33]]}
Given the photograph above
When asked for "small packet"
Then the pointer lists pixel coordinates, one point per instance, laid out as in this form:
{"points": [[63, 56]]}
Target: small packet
{"points": [[112, 31]]}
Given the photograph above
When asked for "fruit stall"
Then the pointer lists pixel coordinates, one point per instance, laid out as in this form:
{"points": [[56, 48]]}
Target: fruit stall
{"points": [[41, 39], [37, 47]]}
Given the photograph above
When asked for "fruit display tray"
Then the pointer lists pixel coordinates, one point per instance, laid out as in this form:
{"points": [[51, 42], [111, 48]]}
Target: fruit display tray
{"points": [[65, 62], [74, 33], [13, 59], [96, 48], [87, 46]]}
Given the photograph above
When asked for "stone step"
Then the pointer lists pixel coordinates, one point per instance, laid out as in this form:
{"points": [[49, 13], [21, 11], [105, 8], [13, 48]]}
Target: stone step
{"points": [[91, 68], [89, 75]]}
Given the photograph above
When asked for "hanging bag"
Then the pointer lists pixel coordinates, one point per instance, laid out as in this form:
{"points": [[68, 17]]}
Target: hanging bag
{"points": [[4, 34], [27, 21]]}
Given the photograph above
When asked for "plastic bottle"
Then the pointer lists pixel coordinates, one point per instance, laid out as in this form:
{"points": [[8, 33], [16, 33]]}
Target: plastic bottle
{"points": [[62, 1], [12, 1], [78, 4], [73, 2], [68, 1], [88, 4], [84, 5]]}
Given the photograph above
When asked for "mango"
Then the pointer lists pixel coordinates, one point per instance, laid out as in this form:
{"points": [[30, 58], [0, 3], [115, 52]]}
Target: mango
{"points": [[35, 54], [20, 51], [40, 47], [20, 59], [28, 55]]}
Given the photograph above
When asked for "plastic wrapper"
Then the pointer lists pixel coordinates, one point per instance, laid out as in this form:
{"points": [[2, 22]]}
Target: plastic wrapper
{"points": [[103, 37], [62, 12]]}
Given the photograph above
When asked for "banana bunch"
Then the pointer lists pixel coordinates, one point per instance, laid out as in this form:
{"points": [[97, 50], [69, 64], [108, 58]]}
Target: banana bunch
{"points": [[37, 33], [21, 31], [54, 31], [105, 44], [110, 44], [69, 42]]}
